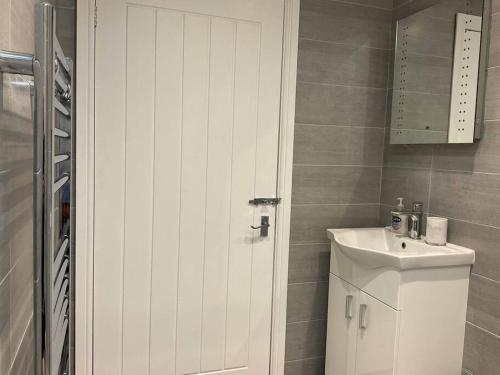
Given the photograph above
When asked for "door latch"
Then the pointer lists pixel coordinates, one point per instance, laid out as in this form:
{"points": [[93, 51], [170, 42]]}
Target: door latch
{"points": [[265, 201], [264, 226]]}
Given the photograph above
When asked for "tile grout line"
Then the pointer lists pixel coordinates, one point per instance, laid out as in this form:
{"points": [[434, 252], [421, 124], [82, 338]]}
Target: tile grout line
{"points": [[344, 44], [337, 165], [483, 329], [306, 321], [304, 359], [340, 85], [312, 282], [344, 126], [485, 277]]}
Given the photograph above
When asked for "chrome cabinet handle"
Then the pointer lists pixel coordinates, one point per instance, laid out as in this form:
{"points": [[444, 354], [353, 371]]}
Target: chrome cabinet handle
{"points": [[348, 306], [362, 316]]}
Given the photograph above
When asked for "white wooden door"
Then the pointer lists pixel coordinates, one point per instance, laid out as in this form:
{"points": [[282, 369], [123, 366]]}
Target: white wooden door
{"points": [[377, 337], [343, 300], [187, 117]]}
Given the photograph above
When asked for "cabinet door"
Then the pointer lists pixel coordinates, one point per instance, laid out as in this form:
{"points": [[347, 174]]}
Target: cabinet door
{"points": [[377, 337], [342, 327]]}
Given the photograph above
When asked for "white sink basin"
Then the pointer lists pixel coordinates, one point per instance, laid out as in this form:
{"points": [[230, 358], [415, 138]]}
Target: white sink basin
{"points": [[379, 247]]}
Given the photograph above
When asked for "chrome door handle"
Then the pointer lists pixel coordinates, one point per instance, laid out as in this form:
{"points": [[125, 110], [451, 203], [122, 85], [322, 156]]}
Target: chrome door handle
{"points": [[348, 306], [362, 316], [264, 226]]}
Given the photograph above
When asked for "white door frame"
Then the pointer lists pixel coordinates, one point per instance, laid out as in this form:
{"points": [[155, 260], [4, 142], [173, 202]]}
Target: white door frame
{"points": [[85, 185]]}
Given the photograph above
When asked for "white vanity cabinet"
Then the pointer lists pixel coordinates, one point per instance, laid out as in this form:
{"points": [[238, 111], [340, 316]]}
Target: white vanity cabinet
{"points": [[362, 332], [385, 320]]}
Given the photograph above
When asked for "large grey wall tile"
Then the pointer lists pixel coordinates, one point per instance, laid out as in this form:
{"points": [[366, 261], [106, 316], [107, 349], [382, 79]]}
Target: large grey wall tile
{"points": [[325, 62], [415, 156], [411, 184], [25, 359], [384, 4], [481, 352], [310, 366], [340, 105], [494, 55], [5, 346], [492, 100], [21, 291], [484, 240], [4, 25], [438, 8], [22, 28], [447, 9], [310, 222], [471, 197], [308, 262], [305, 340], [338, 21], [481, 156], [307, 301], [484, 303], [338, 145], [385, 215], [495, 6], [335, 185]]}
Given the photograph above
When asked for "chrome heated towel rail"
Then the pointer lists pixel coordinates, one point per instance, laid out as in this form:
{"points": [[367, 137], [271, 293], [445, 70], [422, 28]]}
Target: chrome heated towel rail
{"points": [[53, 192]]}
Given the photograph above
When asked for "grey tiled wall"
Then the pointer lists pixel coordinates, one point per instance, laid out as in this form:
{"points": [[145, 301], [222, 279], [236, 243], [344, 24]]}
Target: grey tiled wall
{"points": [[345, 176], [462, 182], [344, 50]]}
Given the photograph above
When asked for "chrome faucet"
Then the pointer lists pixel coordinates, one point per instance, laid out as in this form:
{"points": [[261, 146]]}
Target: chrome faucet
{"points": [[415, 220]]}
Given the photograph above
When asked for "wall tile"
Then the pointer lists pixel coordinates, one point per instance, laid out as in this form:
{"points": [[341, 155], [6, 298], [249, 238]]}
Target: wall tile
{"points": [[340, 105], [415, 156], [354, 65], [66, 29], [310, 222], [481, 156], [411, 184], [481, 352], [23, 25], [443, 9], [4, 25], [494, 55], [495, 6], [484, 303], [385, 217], [338, 145], [308, 262], [311, 366], [21, 292], [24, 361], [384, 4], [492, 100], [337, 21], [484, 240], [5, 346], [335, 185], [471, 197], [305, 340], [65, 3], [307, 301]]}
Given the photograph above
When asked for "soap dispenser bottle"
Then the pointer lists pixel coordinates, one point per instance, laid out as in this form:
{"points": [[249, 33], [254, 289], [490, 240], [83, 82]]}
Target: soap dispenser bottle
{"points": [[399, 221]]}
